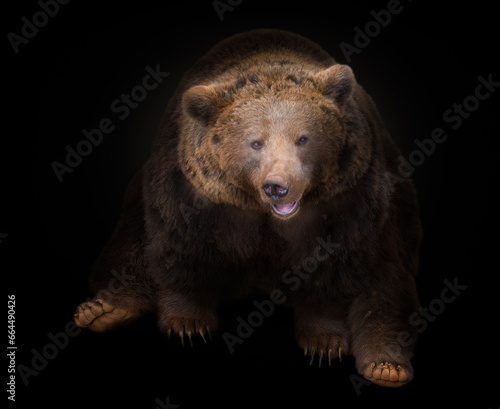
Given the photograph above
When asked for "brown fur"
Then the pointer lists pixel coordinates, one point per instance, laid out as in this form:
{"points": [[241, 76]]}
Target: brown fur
{"points": [[272, 89]]}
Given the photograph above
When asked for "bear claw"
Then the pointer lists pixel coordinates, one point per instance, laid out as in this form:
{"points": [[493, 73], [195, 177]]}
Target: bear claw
{"points": [[321, 354], [329, 346], [189, 334], [185, 327]]}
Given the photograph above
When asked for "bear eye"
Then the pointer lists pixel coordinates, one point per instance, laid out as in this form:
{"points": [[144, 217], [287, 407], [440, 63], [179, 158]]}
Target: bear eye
{"points": [[256, 144], [302, 140]]}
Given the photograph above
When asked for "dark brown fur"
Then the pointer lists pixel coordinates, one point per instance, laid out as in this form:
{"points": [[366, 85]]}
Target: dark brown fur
{"points": [[197, 227]]}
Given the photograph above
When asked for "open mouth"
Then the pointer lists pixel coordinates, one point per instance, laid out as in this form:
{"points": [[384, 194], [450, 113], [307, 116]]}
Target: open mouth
{"points": [[285, 209]]}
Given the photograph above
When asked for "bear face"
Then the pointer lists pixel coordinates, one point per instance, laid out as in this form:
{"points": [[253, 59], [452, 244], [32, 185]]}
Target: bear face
{"points": [[274, 139]]}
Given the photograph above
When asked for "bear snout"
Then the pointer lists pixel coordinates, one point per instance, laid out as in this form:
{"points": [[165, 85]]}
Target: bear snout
{"points": [[278, 190], [275, 189]]}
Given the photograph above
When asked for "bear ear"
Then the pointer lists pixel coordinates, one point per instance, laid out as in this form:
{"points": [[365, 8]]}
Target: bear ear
{"points": [[203, 102], [336, 82]]}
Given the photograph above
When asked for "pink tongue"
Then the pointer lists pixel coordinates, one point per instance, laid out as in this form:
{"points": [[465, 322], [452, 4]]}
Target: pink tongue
{"points": [[284, 208]]}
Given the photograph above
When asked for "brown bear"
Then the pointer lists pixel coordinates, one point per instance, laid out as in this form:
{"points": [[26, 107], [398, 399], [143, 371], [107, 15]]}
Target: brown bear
{"points": [[267, 148]]}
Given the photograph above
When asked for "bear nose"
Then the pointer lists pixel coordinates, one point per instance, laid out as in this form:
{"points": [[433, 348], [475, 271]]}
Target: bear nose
{"points": [[274, 189]]}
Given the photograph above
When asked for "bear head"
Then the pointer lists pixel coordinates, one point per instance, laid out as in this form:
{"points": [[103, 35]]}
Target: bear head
{"points": [[274, 138]]}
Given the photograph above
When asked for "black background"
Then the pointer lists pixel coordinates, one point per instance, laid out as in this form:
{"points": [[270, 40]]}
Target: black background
{"points": [[63, 81]]}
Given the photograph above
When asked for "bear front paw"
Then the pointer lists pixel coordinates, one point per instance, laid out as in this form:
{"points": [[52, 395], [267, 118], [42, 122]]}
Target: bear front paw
{"points": [[322, 336]]}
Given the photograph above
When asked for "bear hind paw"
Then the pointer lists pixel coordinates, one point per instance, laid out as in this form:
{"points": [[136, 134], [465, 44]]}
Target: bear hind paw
{"points": [[386, 374]]}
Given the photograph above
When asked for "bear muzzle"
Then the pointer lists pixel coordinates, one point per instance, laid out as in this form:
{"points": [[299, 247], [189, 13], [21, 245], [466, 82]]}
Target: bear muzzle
{"points": [[276, 189]]}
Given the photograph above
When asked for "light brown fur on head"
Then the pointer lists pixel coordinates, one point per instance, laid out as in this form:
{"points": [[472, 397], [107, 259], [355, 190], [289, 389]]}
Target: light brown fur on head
{"points": [[276, 122]]}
